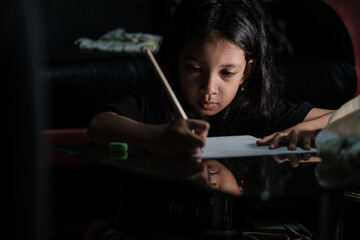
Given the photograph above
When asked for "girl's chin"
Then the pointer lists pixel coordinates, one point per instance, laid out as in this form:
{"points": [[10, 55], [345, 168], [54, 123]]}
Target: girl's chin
{"points": [[207, 112]]}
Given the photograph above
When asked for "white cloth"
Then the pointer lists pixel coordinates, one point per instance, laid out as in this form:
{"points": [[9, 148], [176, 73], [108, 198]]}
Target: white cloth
{"points": [[119, 40], [339, 146]]}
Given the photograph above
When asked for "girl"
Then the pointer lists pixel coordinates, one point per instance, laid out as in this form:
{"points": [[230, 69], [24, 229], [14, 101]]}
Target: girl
{"points": [[218, 60]]}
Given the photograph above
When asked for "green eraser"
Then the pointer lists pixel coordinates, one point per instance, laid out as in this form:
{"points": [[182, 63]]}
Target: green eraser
{"points": [[118, 146], [118, 155]]}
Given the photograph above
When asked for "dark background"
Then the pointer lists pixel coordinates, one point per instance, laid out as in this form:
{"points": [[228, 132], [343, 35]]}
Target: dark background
{"points": [[32, 30]]}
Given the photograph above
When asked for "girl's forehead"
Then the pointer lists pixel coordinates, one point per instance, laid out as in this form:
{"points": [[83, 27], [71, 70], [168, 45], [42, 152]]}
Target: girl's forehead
{"points": [[212, 39], [209, 46]]}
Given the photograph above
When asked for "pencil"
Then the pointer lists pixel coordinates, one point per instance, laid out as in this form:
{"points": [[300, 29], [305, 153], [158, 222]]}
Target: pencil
{"points": [[166, 84]]}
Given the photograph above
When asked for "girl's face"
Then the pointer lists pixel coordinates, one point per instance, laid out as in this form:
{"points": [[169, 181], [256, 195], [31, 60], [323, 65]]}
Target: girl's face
{"points": [[221, 178], [210, 73]]}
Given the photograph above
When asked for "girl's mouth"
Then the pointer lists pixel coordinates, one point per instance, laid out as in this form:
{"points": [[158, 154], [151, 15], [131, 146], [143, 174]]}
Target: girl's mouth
{"points": [[208, 105]]}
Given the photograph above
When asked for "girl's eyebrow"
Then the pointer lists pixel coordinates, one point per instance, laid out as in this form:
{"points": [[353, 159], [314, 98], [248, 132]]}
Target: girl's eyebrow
{"points": [[231, 65], [192, 58]]}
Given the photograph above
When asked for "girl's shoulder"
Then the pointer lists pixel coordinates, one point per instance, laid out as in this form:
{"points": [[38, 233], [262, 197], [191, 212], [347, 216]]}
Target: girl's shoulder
{"points": [[284, 106], [287, 114]]}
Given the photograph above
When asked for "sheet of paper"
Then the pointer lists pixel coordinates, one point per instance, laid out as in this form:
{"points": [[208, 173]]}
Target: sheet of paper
{"points": [[242, 146]]}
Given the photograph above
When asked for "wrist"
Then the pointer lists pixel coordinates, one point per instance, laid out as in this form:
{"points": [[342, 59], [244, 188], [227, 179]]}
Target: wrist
{"points": [[153, 136]]}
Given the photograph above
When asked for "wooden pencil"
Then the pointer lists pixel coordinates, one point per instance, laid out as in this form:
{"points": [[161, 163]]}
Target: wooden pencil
{"points": [[166, 84]]}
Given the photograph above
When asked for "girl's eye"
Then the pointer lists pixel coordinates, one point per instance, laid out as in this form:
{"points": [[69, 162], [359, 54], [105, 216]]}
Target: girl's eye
{"points": [[195, 69], [227, 73]]}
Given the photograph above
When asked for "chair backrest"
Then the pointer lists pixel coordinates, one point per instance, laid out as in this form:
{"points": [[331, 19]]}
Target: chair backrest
{"points": [[349, 12], [315, 51]]}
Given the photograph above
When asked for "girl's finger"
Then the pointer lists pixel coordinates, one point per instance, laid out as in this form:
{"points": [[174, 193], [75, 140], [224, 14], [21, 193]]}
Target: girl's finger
{"points": [[265, 140], [306, 141], [198, 126], [280, 158], [294, 161], [293, 140], [277, 139]]}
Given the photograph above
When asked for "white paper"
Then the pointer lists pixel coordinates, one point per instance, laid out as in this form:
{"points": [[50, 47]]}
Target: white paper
{"points": [[242, 146]]}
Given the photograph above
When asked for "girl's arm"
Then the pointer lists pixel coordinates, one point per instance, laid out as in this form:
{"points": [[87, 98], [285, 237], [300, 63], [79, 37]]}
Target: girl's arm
{"points": [[179, 137], [302, 134]]}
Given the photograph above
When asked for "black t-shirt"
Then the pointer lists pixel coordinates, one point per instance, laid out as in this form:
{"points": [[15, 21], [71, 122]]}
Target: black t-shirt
{"points": [[136, 105]]}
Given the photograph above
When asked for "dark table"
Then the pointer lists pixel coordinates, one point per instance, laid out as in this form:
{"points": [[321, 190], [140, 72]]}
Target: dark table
{"points": [[149, 196]]}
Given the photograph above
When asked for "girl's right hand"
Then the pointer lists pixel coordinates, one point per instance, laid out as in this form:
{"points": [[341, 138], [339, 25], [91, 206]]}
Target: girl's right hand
{"points": [[183, 136]]}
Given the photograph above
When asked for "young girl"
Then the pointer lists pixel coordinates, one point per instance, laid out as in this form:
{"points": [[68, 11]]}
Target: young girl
{"points": [[218, 60]]}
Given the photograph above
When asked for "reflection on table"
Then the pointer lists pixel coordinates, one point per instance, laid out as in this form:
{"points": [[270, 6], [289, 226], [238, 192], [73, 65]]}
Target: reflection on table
{"points": [[222, 196], [236, 176]]}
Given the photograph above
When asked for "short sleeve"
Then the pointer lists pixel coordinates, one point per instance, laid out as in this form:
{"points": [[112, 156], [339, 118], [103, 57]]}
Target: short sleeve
{"points": [[131, 105], [288, 114]]}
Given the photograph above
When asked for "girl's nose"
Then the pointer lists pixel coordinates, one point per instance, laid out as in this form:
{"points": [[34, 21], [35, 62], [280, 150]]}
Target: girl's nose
{"points": [[209, 85]]}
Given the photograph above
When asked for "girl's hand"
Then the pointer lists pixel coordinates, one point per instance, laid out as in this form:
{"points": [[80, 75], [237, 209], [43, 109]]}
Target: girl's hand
{"points": [[303, 134], [184, 136], [292, 137], [296, 159]]}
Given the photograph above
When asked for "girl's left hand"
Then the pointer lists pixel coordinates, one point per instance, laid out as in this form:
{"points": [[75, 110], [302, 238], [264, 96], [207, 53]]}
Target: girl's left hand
{"points": [[291, 137], [296, 159]]}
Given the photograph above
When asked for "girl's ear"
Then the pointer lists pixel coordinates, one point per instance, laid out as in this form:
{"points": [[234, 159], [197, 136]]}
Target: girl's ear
{"points": [[250, 65], [241, 191]]}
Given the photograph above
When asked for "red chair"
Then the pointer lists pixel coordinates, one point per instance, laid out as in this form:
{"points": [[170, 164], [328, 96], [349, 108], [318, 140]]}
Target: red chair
{"points": [[349, 12], [68, 136]]}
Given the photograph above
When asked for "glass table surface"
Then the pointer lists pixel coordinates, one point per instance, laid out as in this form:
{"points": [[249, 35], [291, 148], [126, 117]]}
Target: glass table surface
{"points": [[261, 177], [220, 197]]}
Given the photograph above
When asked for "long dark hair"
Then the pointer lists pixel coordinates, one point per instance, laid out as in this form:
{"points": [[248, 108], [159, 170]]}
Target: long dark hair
{"points": [[256, 174], [241, 22]]}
